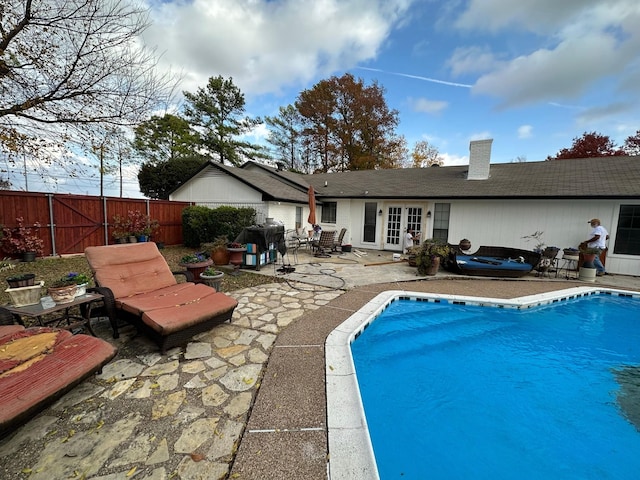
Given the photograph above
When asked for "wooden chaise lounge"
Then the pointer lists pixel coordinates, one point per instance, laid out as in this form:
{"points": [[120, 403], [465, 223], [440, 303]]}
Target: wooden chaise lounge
{"points": [[139, 288], [40, 364]]}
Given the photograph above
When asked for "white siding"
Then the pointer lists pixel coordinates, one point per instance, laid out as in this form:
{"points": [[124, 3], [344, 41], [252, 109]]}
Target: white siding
{"points": [[564, 223], [214, 186]]}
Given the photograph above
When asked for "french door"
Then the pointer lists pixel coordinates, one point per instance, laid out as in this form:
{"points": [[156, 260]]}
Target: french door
{"points": [[401, 218]]}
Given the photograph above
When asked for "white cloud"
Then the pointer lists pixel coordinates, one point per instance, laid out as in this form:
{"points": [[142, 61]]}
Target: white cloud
{"points": [[265, 45], [480, 136], [451, 159], [473, 59], [576, 45], [525, 131], [427, 106]]}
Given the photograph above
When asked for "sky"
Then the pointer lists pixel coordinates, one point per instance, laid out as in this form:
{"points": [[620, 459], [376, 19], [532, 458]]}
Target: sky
{"points": [[530, 74]]}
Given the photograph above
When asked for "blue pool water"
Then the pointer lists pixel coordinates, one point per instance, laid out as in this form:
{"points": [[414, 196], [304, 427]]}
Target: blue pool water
{"points": [[471, 392]]}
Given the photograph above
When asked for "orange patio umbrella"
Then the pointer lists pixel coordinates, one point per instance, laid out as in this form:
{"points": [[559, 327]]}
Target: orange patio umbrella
{"points": [[312, 206]]}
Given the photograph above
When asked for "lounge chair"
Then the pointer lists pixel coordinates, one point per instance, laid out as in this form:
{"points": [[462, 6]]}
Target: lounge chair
{"points": [[40, 364], [139, 287]]}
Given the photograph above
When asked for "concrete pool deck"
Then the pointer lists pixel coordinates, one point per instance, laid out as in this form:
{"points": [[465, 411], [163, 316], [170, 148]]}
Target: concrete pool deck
{"points": [[246, 400]]}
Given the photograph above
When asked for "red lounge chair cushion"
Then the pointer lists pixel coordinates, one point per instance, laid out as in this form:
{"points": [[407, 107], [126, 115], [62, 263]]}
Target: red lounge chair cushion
{"points": [[176, 308], [60, 361], [130, 269]]}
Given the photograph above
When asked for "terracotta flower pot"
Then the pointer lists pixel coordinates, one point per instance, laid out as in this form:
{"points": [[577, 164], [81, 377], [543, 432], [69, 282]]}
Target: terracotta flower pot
{"points": [[220, 256]]}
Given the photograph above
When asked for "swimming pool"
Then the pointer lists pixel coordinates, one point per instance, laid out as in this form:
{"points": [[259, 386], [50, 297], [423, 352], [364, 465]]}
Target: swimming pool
{"points": [[350, 448]]}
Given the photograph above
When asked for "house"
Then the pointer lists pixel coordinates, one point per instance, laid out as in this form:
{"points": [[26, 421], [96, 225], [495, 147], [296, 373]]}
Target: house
{"points": [[489, 204]]}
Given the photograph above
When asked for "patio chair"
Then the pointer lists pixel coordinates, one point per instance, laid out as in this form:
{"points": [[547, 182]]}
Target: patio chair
{"points": [[293, 244], [325, 244], [547, 261], [338, 243]]}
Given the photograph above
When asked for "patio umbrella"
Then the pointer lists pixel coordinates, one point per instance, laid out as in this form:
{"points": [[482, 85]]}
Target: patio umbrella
{"points": [[312, 206]]}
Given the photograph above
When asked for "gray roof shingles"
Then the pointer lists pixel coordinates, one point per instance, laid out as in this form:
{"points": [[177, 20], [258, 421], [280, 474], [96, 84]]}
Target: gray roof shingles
{"points": [[603, 177]]}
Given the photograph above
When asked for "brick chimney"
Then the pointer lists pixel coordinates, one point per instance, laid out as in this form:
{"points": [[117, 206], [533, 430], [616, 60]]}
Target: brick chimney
{"points": [[479, 159]]}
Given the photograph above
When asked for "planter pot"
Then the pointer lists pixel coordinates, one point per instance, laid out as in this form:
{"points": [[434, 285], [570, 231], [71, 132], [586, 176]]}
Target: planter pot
{"points": [[26, 280], [197, 268], [160, 245], [23, 296], [121, 240], [588, 259], [29, 257], [81, 289], [587, 274], [464, 244], [142, 238], [346, 248], [221, 256], [213, 281], [235, 257], [63, 294], [431, 269], [133, 239], [434, 267]]}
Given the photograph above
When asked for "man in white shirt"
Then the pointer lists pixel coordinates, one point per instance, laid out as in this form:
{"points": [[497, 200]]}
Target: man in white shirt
{"points": [[599, 236], [408, 240]]}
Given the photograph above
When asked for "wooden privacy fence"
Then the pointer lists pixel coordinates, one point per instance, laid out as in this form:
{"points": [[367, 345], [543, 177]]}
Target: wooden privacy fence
{"points": [[70, 223]]}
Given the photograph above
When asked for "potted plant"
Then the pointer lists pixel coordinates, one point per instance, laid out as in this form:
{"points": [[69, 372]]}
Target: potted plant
{"points": [[23, 280], [142, 225], [219, 251], [430, 255], [212, 277], [22, 241], [81, 280], [588, 255], [236, 250], [196, 263], [121, 229], [63, 290]]}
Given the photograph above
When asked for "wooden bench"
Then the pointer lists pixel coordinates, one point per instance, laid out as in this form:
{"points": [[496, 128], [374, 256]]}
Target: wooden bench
{"points": [[139, 288]]}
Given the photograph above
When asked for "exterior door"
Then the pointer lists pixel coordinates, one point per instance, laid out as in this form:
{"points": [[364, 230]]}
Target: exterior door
{"points": [[401, 218], [393, 232]]}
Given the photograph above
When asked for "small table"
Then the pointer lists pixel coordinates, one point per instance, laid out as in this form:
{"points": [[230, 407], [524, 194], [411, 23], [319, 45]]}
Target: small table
{"points": [[569, 264], [73, 322]]}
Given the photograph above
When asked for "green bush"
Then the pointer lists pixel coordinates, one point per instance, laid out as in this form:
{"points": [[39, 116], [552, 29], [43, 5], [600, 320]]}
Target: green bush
{"points": [[202, 224]]}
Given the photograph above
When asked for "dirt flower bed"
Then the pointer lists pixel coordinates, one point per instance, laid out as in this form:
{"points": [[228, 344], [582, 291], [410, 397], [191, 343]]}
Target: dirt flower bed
{"points": [[52, 269]]}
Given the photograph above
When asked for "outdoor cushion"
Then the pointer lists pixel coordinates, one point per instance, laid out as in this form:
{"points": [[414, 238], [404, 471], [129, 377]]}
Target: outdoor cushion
{"points": [[164, 297], [130, 269], [38, 365], [173, 319]]}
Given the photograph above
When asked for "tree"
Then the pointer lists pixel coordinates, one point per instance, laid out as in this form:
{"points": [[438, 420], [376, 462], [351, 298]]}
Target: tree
{"points": [[425, 155], [589, 145], [159, 179], [165, 138], [348, 125], [68, 64], [632, 144], [285, 136], [217, 110]]}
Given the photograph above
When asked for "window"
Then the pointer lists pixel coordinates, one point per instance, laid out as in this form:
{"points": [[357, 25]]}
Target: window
{"points": [[441, 221], [628, 231], [370, 220], [298, 217], [329, 210]]}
